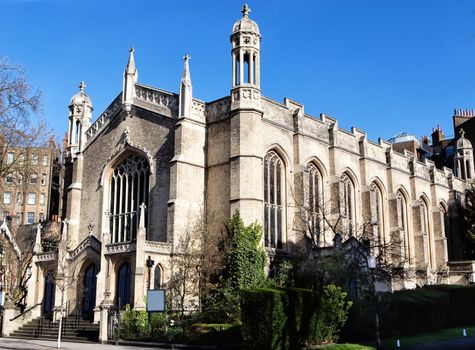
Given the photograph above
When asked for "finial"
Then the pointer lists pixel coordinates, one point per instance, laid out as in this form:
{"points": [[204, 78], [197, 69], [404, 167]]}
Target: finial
{"points": [[246, 10], [82, 86], [131, 50], [187, 57], [462, 133]]}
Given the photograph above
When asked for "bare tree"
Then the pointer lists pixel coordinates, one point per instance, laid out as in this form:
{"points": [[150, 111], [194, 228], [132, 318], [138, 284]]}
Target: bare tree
{"points": [[198, 258]]}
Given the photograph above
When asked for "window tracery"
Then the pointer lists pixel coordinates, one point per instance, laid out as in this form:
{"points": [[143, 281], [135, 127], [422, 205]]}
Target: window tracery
{"points": [[273, 200], [128, 189]]}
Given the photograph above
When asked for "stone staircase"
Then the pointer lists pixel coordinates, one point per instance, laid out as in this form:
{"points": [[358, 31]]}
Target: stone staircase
{"points": [[75, 329]]}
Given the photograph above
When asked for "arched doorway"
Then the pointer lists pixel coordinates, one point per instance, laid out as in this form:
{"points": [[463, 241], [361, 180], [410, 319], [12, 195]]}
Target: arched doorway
{"points": [[48, 299], [89, 296], [123, 285]]}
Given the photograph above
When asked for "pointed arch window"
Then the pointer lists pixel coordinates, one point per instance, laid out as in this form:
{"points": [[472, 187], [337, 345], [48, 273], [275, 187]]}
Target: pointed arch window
{"points": [[314, 199], [273, 200], [402, 218], [377, 215], [347, 201], [157, 278], [444, 220], [129, 188], [425, 230]]}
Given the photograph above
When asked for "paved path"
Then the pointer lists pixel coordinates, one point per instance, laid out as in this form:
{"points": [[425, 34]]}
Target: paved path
{"points": [[11, 343]]}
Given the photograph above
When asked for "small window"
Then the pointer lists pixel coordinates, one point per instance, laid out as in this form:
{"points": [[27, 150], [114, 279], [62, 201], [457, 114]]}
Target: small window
{"points": [[6, 215], [45, 160], [20, 179], [21, 159], [33, 179], [43, 179], [41, 217], [9, 179], [42, 199], [34, 159], [31, 198], [31, 217], [7, 197], [10, 157]]}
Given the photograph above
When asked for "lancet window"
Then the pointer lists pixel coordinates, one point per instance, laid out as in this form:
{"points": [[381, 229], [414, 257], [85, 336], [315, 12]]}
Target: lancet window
{"points": [[403, 226], [129, 188], [377, 219], [347, 202], [273, 200], [424, 220], [314, 199]]}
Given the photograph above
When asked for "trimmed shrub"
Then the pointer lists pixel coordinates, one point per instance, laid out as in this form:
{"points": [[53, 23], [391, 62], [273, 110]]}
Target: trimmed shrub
{"points": [[263, 319], [461, 309], [290, 318]]}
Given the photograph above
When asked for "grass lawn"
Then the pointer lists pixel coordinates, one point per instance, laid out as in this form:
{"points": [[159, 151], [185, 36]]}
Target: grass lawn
{"points": [[435, 337], [346, 347]]}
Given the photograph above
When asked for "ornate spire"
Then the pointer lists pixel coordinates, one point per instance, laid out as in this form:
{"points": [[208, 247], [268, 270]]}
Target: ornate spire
{"points": [[82, 86], [186, 77], [131, 63], [246, 10]]}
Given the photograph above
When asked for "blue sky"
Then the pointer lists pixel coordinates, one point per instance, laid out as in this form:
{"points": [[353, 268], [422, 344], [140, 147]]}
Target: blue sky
{"points": [[383, 66]]}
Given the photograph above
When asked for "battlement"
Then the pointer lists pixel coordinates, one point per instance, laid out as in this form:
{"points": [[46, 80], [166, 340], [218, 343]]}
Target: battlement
{"points": [[463, 112]]}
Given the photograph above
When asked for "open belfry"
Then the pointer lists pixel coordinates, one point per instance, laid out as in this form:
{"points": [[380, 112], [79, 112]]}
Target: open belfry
{"points": [[140, 173]]}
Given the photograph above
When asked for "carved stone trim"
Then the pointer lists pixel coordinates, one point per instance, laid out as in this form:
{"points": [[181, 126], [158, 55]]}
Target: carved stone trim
{"points": [[158, 247], [89, 242], [156, 97], [104, 119], [120, 248], [44, 257]]}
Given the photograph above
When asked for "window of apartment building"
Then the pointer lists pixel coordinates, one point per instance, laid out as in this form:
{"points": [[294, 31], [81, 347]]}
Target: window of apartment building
{"points": [[21, 159], [9, 179], [6, 215], [10, 157], [33, 179], [7, 197], [19, 197], [20, 179], [31, 198], [34, 159], [45, 160], [42, 199], [31, 217], [41, 217], [43, 179]]}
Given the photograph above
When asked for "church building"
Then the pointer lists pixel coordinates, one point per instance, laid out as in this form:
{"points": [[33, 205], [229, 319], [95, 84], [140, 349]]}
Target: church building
{"points": [[138, 175]]}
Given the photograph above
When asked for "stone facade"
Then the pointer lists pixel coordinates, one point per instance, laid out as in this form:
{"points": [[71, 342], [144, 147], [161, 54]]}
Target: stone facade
{"points": [[183, 158]]}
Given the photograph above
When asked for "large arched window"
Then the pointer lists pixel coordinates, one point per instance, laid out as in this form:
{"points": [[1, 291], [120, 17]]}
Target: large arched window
{"points": [[425, 230], [402, 222], [273, 200], [314, 199], [129, 188], [444, 219], [377, 214], [347, 202]]}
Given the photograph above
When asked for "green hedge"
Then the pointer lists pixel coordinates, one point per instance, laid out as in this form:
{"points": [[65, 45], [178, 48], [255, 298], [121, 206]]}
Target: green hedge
{"points": [[263, 318], [288, 318], [408, 312]]}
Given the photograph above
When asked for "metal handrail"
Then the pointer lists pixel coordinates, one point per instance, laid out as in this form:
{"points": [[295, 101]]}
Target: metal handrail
{"points": [[25, 311]]}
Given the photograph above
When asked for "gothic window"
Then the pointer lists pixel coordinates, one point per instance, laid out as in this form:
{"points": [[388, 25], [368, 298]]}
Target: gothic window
{"points": [[33, 178], [129, 188], [467, 167], [377, 219], [402, 221], [425, 229], [273, 200], [314, 185], [347, 201]]}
